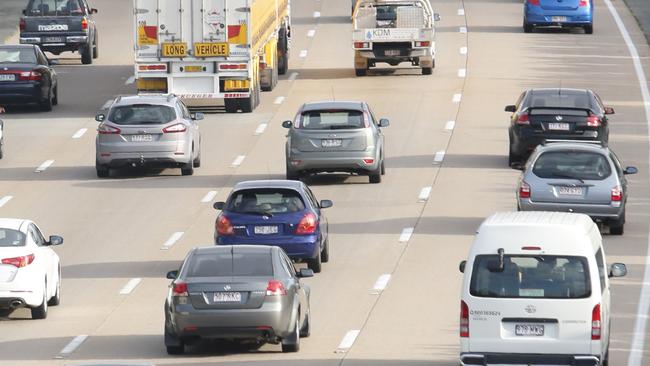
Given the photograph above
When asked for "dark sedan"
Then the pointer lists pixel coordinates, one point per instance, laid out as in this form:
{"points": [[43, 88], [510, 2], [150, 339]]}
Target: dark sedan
{"points": [[26, 76], [555, 114]]}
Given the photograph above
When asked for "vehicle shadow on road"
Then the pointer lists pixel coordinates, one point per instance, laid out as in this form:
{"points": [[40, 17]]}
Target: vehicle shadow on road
{"points": [[146, 269], [478, 161], [443, 225], [333, 19]]}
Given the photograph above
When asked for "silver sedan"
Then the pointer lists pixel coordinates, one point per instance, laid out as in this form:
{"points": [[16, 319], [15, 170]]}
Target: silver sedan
{"points": [[237, 292]]}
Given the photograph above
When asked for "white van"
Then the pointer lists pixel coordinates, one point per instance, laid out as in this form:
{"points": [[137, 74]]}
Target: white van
{"points": [[536, 291]]}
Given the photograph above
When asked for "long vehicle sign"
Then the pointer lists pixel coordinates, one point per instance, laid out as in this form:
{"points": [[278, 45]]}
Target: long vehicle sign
{"points": [[211, 49], [175, 49]]}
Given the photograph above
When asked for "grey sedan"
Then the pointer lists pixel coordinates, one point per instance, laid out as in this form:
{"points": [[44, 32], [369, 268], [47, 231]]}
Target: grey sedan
{"points": [[335, 137], [237, 292], [576, 177], [148, 131]]}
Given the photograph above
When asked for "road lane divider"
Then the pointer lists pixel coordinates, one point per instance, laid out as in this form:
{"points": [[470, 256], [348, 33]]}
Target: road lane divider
{"points": [[439, 157], [278, 100], [4, 200], [130, 286], [172, 240], [456, 98], [238, 161], [406, 234], [311, 33], [381, 283], [209, 197], [261, 128], [293, 76], [461, 12], [462, 29], [79, 133], [463, 50], [462, 73], [450, 125], [424, 194], [348, 340], [72, 346], [46, 164], [303, 54]]}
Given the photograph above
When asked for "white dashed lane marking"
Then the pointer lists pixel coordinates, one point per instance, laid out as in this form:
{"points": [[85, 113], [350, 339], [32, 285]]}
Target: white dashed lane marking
{"points": [[72, 346], [348, 340], [450, 125], [261, 128], [303, 54], [424, 194], [439, 157], [209, 197], [4, 200], [130, 286], [311, 33], [293, 76], [317, 14], [172, 240], [461, 12], [46, 164], [381, 283], [463, 29], [79, 133], [278, 100], [238, 161], [456, 98], [462, 73], [406, 234], [130, 80], [463, 50]]}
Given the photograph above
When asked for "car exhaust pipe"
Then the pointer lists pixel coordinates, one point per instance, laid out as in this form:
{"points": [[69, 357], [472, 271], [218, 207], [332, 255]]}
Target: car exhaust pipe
{"points": [[16, 303]]}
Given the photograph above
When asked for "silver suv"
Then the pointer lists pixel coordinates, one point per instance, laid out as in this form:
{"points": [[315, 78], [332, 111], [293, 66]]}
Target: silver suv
{"points": [[579, 177], [155, 130]]}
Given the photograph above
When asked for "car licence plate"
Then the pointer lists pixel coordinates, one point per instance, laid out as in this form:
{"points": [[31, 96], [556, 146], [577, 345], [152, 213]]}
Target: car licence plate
{"points": [[227, 297], [558, 126], [7, 77], [392, 53], [558, 19], [570, 191], [266, 230], [53, 40], [529, 330], [193, 68], [141, 138], [331, 143]]}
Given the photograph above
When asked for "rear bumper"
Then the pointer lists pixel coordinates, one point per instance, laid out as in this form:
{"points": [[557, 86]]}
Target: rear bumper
{"points": [[524, 140], [19, 93], [107, 156], [297, 247], [527, 359], [596, 212], [535, 15], [26, 298], [314, 162], [68, 41]]}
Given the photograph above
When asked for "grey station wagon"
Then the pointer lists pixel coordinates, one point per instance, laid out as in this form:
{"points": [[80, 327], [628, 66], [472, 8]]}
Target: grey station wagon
{"points": [[335, 137], [576, 177]]}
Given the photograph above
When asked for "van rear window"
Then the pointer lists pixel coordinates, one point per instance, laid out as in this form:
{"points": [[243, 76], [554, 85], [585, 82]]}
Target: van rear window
{"points": [[536, 276]]}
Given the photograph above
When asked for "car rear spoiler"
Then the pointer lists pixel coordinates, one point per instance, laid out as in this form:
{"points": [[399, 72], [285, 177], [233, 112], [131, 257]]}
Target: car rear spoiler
{"points": [[588, 110], [591, 142]]}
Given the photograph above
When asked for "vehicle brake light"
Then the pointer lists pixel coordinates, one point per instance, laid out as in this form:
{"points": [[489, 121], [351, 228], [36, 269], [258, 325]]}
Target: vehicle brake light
{"points": [[30, 76], [368, 161], [422, 43], [224, 226], [307, 224], [22, 24], [108, 130], [617, 194], [464, 319], [275, 288], [584, 3], [180, 289], [84, 23], [593, 121], [152, 67], [523, 119], [595, 323], [361, 45], [19, 262], [232, 66], [524, 190], [533, 2], [531, 248], [179, 127]]}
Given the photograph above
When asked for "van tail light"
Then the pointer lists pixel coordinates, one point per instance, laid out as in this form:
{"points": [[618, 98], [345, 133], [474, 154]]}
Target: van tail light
{"points": [[524, 190], [464, 319], [593, 121], [84, 23], [617, 194], [30, 76], [275, 288], [533, 2], [595, 323], [19, 262], [108, 130], [523, 119], [224, 226], [307, 224], [179, 127], [584, 3], [22, 25]]}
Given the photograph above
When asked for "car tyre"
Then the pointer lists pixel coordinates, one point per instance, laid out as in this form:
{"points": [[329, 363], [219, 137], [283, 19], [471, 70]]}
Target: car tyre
{"points": [[46, 105], [589, 29], [102, 171], [528, 28], [55, 99], [87, 55], [197, 161], [188, 169], [383, 168], [427, 70], [315, 264], [617, 227], [375, 176], [325, 253], [231, 105], [5, 312], [360, 72], [305, 331], [40, 312], [56, 299], [292, 343], [291, 175], [2, 144], [95, 47], [513, 158]]}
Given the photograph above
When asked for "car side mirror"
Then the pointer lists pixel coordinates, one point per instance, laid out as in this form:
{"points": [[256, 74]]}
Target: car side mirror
{"points": [[384, 122], [518, 166], [305, 273], [630, 170], [93, 11], [287, 124], [53, 62], [609, 110], [461, 266], [617, 270], [436, 17], [172, 275], [326, 204], [55, 240], [219, 205], [100, 117], [511, 108], [198, 116]]}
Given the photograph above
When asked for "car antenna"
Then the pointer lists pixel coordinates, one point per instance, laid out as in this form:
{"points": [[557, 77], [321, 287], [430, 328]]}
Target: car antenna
{"points": [[501, 261]]}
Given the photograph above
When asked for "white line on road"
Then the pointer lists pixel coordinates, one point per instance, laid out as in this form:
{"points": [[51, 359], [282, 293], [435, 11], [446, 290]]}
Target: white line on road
{"points": [[238, 160], [130, 80], [73, 345], [406, 235], [463, 50], [5, 199], [130, 286], [46, 164], [463, 29], [293, 76], [172, 240], [462, 73], [456, 98], [278, 100], [638, 339], [450, 125], [261, 128], [79, 133], [461, 11], [311, 33], [439, 157], [348, 340], [424, 194], [209, 197], [317, 14], [303, 54], [381, 283]]}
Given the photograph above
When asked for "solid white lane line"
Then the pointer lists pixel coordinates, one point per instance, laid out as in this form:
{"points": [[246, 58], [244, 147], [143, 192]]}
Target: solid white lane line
{"points": [[261, 128], [462, 73], [46, 164], [303, 54], [73, 345], [450, 125], [311, 33], [209, 197], [278, 100], [439, 157], [130, 80], [293, 76], [463, 29], [461, 11], [238, 160], [456, 98], [638, 340], [424, 194], [5, 199], [79, 133], [381, 283], [317, 14], [348, 340], [463, 50], [130, 286], [406, 234], [172, 240]]}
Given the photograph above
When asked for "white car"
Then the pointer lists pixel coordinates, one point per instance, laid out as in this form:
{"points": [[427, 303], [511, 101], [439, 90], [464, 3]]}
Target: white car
{"points": [[30, 271]]}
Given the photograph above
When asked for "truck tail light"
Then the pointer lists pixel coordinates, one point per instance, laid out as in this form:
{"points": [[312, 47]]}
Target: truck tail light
{"points": [[108, 130], [19, 262], [84, 23], [22, 25], [233, 66], [152, 67], [595, 323], [307, 224], [464, 319], [361, 45], [420, 44], [524, 190]]}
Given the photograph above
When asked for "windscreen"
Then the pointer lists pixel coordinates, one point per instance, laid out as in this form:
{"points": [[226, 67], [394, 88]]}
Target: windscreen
{"points": [[11, 238], [142, 114], [17, 56], [266, 201], [561, 99], [540, 276], [331, 120], [54, 7], [572, 165], [230, 265]]}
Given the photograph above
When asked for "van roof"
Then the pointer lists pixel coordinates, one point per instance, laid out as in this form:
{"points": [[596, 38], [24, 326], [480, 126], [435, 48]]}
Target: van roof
{"points": [[558, 233]]}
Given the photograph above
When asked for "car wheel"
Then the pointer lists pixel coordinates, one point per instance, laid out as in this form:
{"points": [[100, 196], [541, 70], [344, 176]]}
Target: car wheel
{"points": [[315, 264], [102, 171], [383, 168], [291, 175], [95, 47], [40, 312], [305, 331], [2, 144], [292, 343], [55, 100], [87, 55], [589, 29], [616, 228], [375, 176], [197, 161], [325, 253], [56, 299], [178, 346], [528, 28], [46, 105], [188, 169]]}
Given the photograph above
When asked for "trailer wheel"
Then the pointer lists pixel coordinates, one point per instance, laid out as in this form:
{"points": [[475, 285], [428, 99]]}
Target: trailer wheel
{"points": [[283, 51], [231, 105], [247, 105]]}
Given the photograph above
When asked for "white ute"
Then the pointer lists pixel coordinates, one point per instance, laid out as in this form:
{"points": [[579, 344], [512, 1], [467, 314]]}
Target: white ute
{"points": [[536, 292]]}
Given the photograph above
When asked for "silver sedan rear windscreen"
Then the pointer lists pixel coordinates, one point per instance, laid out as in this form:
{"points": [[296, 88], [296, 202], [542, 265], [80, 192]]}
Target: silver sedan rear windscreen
{"points": [[582, 165], [230, 265]]}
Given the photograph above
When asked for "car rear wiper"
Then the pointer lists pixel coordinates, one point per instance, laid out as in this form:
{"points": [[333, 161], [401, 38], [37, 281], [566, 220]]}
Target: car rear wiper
{"points": [[345, 127], [567, 176], [260, 213]]}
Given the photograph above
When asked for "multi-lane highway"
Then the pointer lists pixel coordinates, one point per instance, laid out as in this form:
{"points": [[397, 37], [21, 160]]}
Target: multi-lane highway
{"points": [[390, 293]]}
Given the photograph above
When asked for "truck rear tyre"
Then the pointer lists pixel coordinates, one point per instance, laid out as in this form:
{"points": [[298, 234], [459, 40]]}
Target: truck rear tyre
{"points": [[247, 105], [361, 72], [427, 70], [87, 55], [231, 105]]}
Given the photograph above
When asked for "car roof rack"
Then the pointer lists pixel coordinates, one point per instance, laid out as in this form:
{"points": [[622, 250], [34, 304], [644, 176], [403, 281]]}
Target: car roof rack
{"points": [[588, 142]]}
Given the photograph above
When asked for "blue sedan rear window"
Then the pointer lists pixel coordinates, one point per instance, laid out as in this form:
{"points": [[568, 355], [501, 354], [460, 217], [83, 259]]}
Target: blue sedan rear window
{"points": [[265, 201]]}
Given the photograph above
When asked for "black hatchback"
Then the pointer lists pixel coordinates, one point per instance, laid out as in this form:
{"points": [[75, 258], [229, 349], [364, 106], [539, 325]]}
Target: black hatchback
{"points": [[555, 114], [27, 76]]}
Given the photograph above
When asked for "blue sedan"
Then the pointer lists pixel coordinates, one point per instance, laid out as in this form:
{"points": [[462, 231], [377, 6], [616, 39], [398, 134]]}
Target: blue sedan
{"points": [[559, 13], [282, 213]]}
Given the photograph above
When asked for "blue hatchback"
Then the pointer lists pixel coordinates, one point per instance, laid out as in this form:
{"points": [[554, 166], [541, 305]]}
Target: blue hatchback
{"points": [[282, 213], [559, 13]]}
